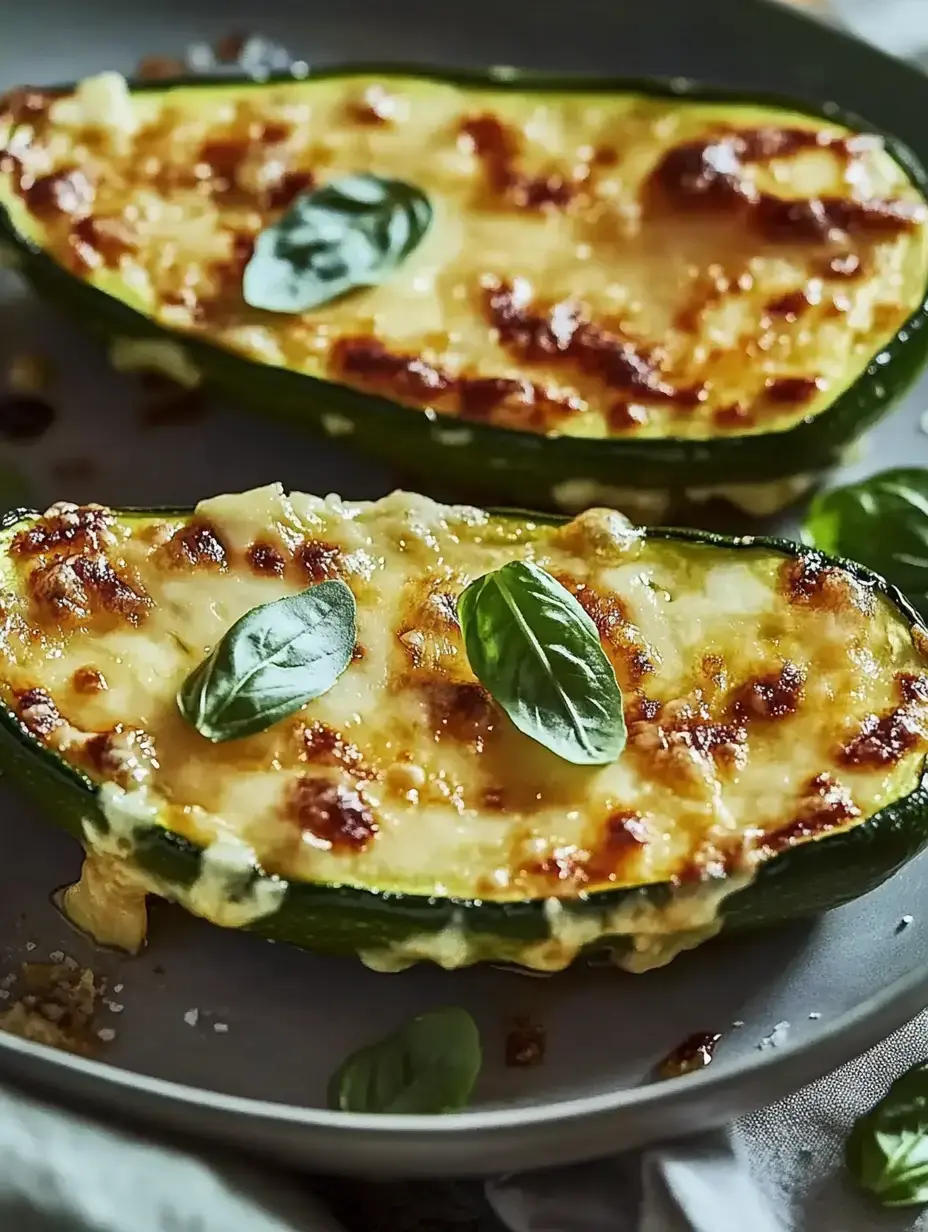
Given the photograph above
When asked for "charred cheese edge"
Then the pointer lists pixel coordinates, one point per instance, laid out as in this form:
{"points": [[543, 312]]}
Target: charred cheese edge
{"points": [[771, 701], [601, 265]]}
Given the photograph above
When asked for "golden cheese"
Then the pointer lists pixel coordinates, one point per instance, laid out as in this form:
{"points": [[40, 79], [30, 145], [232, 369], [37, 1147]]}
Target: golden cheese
{"points": [[769, 700], [599, 264]]}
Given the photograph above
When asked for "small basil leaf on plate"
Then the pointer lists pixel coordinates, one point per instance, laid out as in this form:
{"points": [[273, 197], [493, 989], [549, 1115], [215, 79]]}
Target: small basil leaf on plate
{"points": [[887, 1151], [350, 233], [272, 661], [537, 652], [882, 522], [429, 1066]]}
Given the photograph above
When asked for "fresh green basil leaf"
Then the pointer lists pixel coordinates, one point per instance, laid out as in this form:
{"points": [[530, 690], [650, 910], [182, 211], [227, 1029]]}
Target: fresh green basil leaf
{"points": [[274, 660], [887, 1151], [537, 652], [882, 522], [429, 1066], [350, 233]]}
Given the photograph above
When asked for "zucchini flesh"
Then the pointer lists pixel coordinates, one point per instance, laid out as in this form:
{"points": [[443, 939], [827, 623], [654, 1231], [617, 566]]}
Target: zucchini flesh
{"points": [[777, 705], [644, 287]]}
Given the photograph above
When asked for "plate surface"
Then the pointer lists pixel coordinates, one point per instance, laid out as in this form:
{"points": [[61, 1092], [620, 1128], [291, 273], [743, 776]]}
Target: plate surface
{"points": [[271, 1024]]}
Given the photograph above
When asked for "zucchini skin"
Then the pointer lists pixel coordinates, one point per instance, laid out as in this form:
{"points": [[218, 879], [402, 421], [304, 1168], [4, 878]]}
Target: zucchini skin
{"points": [[521, 467], [805, 880]]}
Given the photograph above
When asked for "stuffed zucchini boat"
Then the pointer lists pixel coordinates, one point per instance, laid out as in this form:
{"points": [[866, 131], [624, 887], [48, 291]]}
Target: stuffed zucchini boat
{"points": [[776, 704], [563, 292]]}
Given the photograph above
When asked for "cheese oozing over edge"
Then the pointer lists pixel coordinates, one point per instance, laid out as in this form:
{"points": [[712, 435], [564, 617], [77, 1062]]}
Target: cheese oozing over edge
{"points": [[770, 700]]}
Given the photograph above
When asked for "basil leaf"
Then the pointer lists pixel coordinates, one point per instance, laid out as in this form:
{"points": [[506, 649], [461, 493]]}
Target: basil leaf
{"points": [[882, 522], [350, 233], [887, 1151], [537, 652], [274, 660], [429, 1066]]}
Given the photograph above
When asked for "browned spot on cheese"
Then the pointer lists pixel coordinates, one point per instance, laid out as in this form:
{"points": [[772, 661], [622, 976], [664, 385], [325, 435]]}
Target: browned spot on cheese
{"points": [[322, 745], [808, 581], [493, 799], [223, 156], [499, 145], [73, 588], [27, 104], [79, 527], [627, 416], [404, 376], [228, 274], [562, 331], [464, 712], [264, 558], [88, 680], [694, 1054], [337, 816], [623, 835], [843, 265], [821, 218], [735, 415], [912, 687], [686, 726], [569, 869], [709, 174], [512, 402], [101, 241], [624, 831], [643, 709], [110, 754], [375, 106], [288, 187], [791, 390], [561, 874], [38, 712], [773, 696], [882, 740], [318, 560], [196, 546], [826, 806], [621, 639], [791, 305], [505, 401], [68, 192]]}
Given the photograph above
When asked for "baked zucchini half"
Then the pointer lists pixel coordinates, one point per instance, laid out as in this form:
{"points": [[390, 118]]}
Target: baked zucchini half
{"points": [[583, 291], [776, 703]]}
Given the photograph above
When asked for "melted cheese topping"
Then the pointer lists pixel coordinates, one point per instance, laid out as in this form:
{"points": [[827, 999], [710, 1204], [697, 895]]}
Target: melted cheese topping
{"points": [[599, 264], [769, 700]]}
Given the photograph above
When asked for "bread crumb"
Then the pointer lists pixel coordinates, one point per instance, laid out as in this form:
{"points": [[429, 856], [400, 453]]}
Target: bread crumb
{"points": [[57, 1007], [776, 1037], [192, 1017]]}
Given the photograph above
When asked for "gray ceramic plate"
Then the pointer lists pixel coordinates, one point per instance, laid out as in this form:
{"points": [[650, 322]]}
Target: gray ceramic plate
{"points": [[272, 1023]]}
